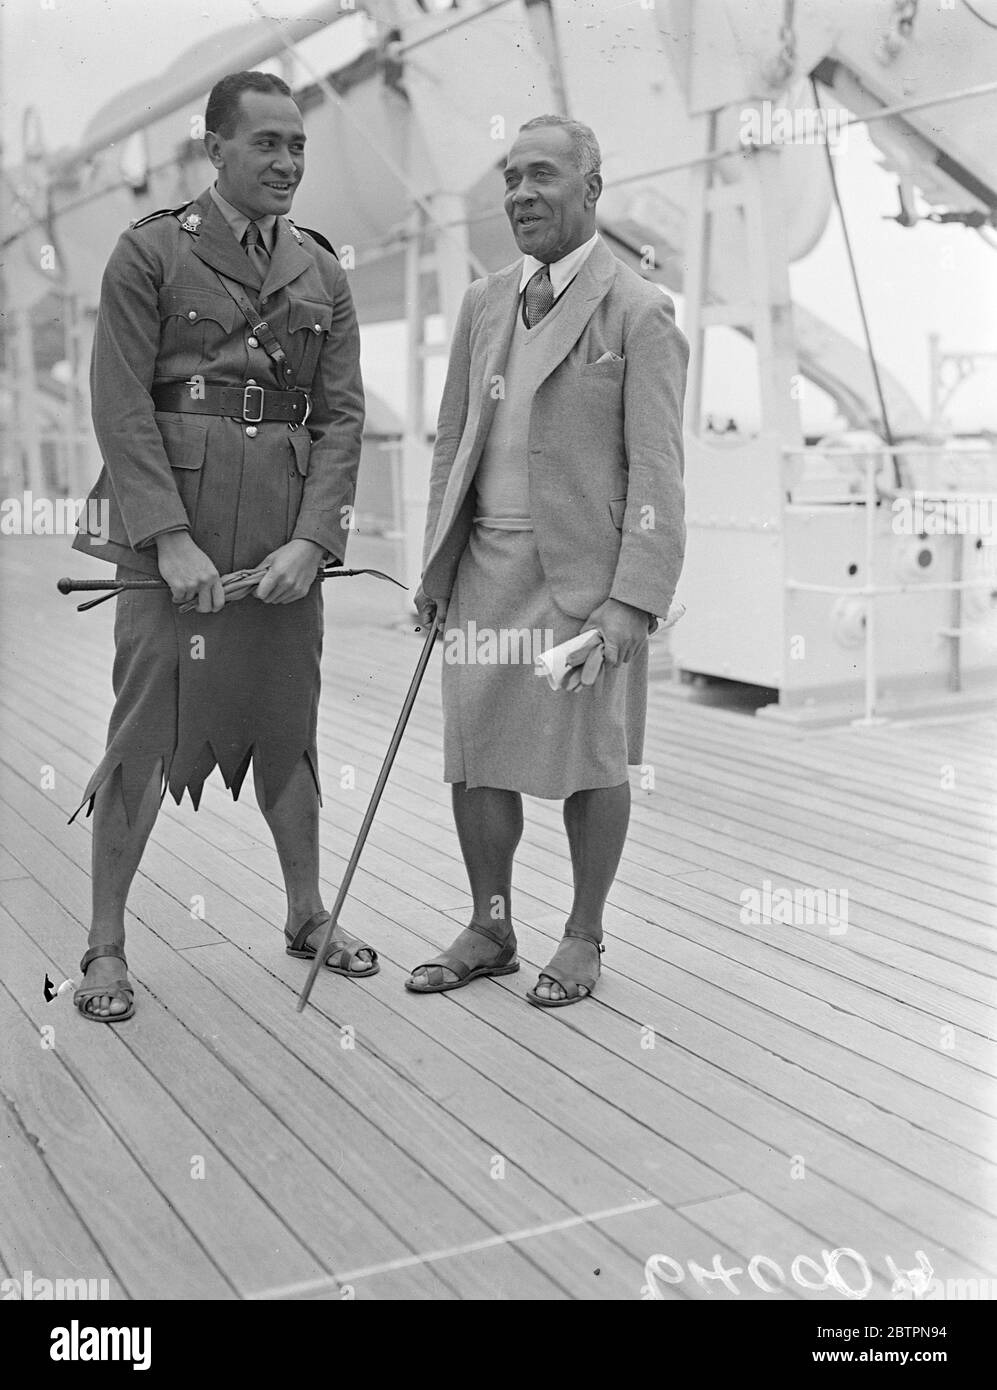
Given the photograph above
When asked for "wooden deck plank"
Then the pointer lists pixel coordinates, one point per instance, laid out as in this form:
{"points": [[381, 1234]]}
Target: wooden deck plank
{"points": [[283, 1215], [41, 1231], [773, 1046], [760, 1133], [919, 1033], [393, 1196], [874, 755], [397, 1193], [756, 1229], [199, 1182], [876, 955], [102, 1179], [795, 814], [917, 1028]]}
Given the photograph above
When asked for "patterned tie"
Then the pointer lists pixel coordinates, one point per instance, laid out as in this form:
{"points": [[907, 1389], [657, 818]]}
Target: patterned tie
{"points": [[539, 296], [255, 250]]}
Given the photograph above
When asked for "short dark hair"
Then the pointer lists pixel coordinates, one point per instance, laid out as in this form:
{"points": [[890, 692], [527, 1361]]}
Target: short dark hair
{"points": [[584, 145], [222, 114]]}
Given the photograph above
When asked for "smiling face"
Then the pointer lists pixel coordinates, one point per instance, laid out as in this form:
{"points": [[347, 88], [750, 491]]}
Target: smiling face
{"points": [[549, 201], [261, 163]]}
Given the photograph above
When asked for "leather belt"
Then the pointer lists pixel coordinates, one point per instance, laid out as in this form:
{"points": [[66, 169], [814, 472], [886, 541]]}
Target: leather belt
{"points": [[254, 404]]}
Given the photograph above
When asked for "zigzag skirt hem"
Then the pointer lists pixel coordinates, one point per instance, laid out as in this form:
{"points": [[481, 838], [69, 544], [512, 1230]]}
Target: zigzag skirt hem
{"points": [[195, 691]]}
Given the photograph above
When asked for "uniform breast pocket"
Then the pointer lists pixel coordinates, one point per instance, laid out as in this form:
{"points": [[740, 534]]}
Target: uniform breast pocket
{"points": [[195, 324], [309, 323], [185, 442]]}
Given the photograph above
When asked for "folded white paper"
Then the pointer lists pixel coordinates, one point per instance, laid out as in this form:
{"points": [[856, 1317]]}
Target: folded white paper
{"points": [[553, 663]]}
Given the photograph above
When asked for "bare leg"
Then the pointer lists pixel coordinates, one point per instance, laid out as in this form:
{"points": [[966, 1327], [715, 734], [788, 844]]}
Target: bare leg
{"points": [[596, 821], [293, 822], [489, 827], [116, 854]]}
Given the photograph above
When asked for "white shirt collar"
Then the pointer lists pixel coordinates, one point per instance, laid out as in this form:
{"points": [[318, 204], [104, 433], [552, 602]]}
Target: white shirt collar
{"points": [[238, 221], [562, 272]]}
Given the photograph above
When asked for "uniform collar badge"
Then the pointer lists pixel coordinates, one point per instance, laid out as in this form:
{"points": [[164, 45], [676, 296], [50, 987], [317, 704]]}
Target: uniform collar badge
{"points": [[191, 222], [294, 232]]}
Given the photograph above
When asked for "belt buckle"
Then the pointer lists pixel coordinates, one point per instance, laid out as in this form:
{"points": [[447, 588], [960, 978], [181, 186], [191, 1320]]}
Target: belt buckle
{"points": [[252, 419]]}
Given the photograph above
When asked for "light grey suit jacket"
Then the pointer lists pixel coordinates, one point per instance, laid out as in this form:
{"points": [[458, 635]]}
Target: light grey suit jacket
{"points": [[605, 463]]}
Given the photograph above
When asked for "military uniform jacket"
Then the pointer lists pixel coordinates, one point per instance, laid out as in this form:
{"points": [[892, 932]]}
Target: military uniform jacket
{"points": [[165, 316]]}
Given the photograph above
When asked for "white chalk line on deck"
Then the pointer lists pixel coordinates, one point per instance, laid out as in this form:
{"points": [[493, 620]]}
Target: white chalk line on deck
{"points": [[349, 1276]]}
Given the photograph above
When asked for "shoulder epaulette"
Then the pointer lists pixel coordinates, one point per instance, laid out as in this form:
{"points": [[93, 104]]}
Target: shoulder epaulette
{"points": [[316, 236], [163, 212]]}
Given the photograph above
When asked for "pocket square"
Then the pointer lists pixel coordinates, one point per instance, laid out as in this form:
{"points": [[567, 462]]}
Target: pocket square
{"points": [[608, 357]]}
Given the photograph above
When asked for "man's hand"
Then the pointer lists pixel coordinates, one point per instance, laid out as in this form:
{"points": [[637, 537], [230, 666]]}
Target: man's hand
{"points": [[291, 573], [189, 572], [429, 608], [624, 629]]}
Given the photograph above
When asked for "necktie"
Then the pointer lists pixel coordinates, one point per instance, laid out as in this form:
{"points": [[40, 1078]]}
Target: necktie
{"points": [[255, 250], [539, 296]]}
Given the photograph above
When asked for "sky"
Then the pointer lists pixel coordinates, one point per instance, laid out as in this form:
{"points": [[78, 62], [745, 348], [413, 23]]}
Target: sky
{"points": [[68, 57]]}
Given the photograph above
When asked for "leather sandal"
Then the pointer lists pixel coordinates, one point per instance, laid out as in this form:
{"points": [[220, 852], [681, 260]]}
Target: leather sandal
{"points": [[505, 963], [120, 989], [578, 986], [343, 946]]}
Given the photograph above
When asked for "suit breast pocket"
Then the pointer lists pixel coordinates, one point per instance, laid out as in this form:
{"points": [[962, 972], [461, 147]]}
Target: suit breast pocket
{"points": [[599, 385], [610, 369]]}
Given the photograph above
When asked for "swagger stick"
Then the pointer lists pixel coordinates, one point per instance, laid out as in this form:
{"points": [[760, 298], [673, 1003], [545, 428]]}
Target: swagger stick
{"points": [[368, 819], [236, 585]]}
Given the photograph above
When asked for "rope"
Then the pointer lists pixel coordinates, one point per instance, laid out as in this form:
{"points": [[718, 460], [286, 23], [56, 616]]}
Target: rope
{"points": [[332, 95], [858, 292], [976, 15]]}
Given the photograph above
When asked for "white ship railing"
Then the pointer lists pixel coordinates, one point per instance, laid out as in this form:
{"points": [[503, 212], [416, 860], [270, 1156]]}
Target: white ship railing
{"points": [[872, 457]]}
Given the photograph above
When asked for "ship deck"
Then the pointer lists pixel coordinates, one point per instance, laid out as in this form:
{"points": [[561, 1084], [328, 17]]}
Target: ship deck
{"points": [[736, 1088]]}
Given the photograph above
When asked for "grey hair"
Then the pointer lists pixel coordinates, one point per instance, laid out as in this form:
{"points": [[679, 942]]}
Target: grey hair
{"points": [[584, 145]]}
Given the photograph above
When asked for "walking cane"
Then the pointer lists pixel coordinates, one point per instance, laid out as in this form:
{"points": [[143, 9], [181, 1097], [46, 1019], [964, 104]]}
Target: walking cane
{"points": [[368, 819]]}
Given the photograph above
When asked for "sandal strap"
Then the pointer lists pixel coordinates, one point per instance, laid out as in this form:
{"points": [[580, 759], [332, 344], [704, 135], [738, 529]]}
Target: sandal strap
{"points": [[304, 932], [95, 953], [352, 944], [449, 962], [580, 936], [114, 990], [566, 979], [500, 940]]}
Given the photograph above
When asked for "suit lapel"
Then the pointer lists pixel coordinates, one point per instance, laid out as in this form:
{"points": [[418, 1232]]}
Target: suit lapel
{"points": [[501, 304], [287, 262], [497, 319], [217, 247], [589, 287]]}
